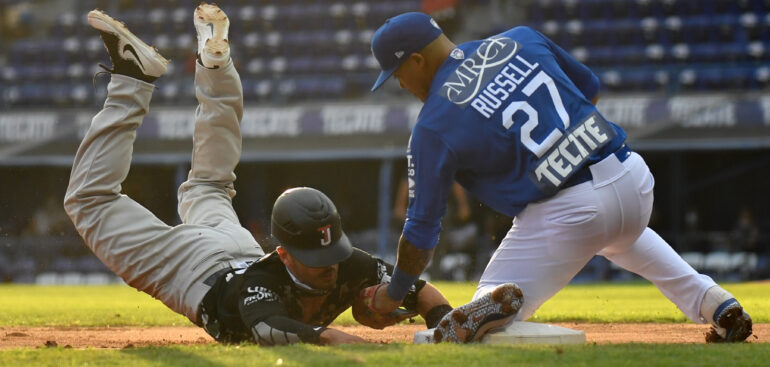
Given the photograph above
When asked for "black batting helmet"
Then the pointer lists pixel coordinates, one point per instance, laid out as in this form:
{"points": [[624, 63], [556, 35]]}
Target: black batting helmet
{"points": [[307, 224]]}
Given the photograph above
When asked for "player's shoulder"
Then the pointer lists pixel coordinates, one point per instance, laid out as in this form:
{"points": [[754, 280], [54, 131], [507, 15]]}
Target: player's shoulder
{"points": [[428, 131], [357, 257], [267, 264], [522, 34], [359, 261], [436, 113]]}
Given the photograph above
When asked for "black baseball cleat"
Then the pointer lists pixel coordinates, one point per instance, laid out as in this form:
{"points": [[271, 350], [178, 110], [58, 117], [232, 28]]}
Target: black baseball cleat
{"points": [[128, 54], [470, 322], [733, 324]]}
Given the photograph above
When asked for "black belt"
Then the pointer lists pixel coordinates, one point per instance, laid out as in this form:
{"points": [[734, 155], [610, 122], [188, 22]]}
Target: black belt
{"points": [[585, 173]]}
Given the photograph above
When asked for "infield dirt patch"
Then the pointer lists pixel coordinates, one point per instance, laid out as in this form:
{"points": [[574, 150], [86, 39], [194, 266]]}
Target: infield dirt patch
{"points": [[128, 337]]}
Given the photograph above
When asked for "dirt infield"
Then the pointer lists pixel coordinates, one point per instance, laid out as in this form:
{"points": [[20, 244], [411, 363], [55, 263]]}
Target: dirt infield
{"points": [[126, 337]]}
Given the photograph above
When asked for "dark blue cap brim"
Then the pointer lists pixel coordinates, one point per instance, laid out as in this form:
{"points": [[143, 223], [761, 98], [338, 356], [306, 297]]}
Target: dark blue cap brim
{"points": [[384, 75]]}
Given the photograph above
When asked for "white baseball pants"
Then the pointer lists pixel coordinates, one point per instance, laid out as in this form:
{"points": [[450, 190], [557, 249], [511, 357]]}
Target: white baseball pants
{"points": [[550, 241]]}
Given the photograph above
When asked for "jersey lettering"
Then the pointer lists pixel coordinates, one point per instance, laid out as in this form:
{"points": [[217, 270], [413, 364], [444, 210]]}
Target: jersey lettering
{"points": [[538, 149], [259, 294], [568, 153], [410, 168], [505, 83]]}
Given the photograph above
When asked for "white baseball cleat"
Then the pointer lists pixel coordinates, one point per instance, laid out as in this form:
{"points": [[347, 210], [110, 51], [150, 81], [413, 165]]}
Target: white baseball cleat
{"points": [[129, 55], [212, 25], [468, 323]]}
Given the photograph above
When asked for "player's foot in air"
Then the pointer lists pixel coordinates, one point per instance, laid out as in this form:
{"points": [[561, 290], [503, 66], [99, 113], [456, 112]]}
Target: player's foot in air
{"points": [[732, 324], [212, 26], [468, 323], [128, 54]]}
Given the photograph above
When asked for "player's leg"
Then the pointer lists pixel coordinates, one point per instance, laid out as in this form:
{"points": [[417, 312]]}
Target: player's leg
{"points": [[696, 295], [532, 256], [205, 198], [652, 258], [551, 241], [172, 264], [117, 229]]}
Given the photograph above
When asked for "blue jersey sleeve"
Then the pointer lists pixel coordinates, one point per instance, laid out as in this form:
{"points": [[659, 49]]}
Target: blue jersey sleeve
{"points": [[431, 167], [581, 75]]}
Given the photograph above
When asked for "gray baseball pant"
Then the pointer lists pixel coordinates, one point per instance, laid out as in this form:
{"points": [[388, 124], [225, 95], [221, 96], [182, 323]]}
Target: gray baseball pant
{"points": [[175, 264]]}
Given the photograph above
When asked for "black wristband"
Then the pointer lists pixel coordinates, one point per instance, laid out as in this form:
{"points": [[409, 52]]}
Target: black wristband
{"points": [[435, 314]]}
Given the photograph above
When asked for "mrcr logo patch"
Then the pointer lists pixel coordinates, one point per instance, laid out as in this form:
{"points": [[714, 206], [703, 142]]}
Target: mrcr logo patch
{"points": [[478, 69]]}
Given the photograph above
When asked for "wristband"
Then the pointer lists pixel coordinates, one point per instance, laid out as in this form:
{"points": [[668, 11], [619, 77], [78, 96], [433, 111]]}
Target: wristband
{"points": [[400, 284]]}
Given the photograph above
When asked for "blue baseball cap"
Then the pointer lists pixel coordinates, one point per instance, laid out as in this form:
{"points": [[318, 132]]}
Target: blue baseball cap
{"points": [[400, 37]]}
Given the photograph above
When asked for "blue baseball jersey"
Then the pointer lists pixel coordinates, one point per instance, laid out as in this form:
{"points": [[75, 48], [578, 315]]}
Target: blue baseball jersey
{"points": [[511, 119]]}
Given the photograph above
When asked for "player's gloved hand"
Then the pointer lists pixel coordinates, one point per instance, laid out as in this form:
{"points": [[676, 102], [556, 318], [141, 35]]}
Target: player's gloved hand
{"points": [[376, 298], [366, 315]]}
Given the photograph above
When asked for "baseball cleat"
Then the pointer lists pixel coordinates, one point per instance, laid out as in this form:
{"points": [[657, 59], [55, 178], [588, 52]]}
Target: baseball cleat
{"points": [[733, 324], [129, 55], [212, 25], [468, 323]]}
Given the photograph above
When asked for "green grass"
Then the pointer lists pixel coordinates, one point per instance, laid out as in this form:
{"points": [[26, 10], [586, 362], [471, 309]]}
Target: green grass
{"points": [[639, 302], [114, 305], [120, 305], [400, 355]]}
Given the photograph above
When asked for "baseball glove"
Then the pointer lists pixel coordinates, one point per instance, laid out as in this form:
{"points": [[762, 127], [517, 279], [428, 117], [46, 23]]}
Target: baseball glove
{"points": [[368, 317]]}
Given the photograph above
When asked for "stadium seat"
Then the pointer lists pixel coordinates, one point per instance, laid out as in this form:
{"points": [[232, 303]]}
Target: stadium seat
{"points": [[47, 278], [695, 259], [70, 278], [673, 30], [655, 54], [168, 91], [255, 67], [609, 34], [97, 279], [761, 76], [650, 27], [719, 262]]}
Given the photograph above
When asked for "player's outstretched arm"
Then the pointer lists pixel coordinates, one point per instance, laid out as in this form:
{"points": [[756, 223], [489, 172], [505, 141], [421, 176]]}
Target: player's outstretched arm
{"points": [[411, 262], [283, 330], [335, 337], [411, 259]]}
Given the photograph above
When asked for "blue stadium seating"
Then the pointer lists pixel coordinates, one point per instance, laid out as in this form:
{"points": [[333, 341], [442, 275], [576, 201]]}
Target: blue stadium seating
{"points": [[644, 41], [668, 45], [317, 41]]}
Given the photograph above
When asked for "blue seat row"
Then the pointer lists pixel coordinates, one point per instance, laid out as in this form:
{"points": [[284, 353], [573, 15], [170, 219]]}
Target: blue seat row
{"points": [[617, 9]]}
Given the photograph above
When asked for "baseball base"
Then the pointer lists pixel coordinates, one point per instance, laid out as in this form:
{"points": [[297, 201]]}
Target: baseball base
{"points": [[520, 332]]}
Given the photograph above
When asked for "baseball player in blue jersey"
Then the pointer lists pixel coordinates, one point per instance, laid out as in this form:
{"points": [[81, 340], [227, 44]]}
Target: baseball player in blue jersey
{"points": [[512, 118]]}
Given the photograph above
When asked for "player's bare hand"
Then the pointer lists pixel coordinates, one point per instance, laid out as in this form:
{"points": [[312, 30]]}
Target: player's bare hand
{"points": [[336, 337]]}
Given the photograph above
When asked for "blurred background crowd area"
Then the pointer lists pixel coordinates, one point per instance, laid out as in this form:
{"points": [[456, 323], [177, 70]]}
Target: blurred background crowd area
{"points": [[688, 79], [295, 50]]}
